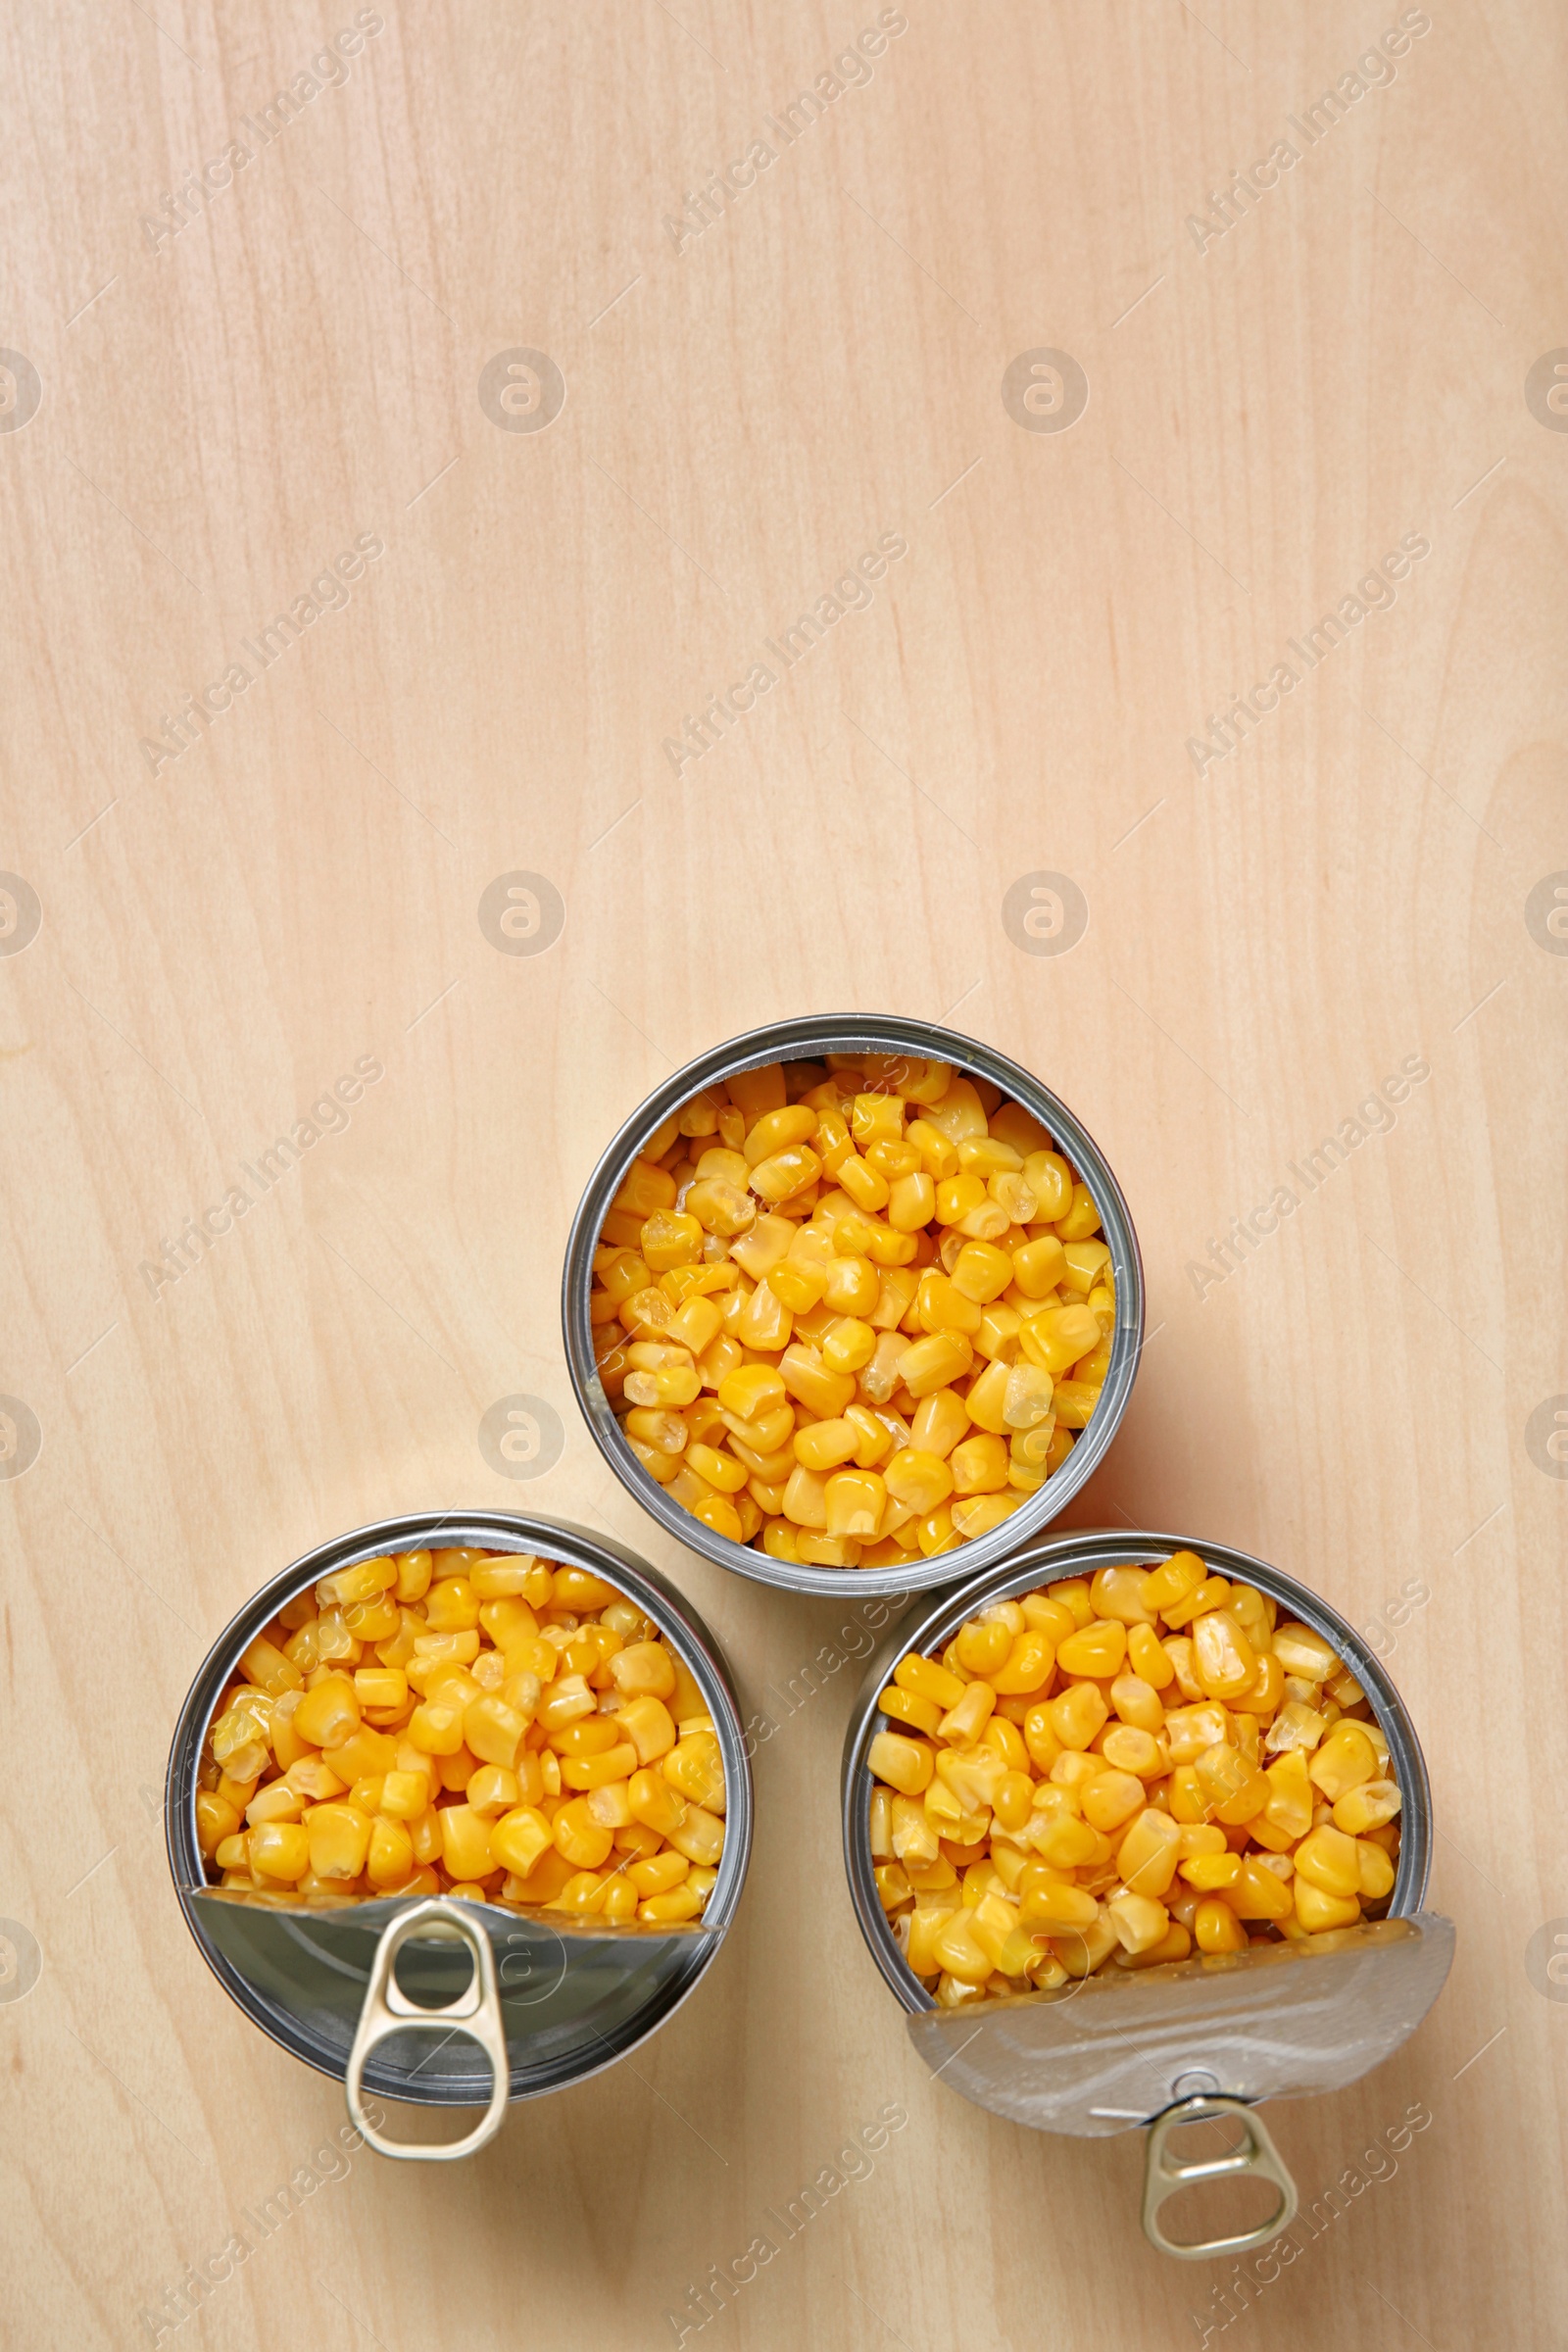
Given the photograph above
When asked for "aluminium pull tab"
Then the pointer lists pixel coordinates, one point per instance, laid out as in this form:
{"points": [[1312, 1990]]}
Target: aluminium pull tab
{"points": [[475, 2012], [1164, 2172]]}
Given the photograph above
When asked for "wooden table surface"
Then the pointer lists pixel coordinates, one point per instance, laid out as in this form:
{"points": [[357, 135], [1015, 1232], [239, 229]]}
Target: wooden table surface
{"points": [[431, 362]]}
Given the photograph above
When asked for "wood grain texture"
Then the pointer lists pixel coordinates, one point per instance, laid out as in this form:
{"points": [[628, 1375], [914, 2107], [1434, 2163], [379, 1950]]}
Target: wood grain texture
{"points": [[223, 933]]}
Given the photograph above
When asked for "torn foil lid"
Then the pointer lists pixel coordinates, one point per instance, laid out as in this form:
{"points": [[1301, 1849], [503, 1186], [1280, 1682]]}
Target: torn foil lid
{"points": [[1278, 2020]]}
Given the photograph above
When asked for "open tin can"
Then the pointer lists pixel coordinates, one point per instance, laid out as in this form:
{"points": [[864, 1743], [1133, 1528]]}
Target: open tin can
{"points": [[523, 2002], [913, 1043], [1189, 2042]]}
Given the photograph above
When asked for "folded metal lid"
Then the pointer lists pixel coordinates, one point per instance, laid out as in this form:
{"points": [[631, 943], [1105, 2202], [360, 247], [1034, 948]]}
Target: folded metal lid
{"points": [[1112, 2050], [573, 1996]]}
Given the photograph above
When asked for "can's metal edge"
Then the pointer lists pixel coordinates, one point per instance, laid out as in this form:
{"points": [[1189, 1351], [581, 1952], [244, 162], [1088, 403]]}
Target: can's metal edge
{"points": [[555, 1538], [801, 1041]]}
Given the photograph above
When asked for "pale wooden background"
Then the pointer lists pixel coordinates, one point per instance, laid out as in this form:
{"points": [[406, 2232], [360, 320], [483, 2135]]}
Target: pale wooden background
{"points": [[219, 944]]}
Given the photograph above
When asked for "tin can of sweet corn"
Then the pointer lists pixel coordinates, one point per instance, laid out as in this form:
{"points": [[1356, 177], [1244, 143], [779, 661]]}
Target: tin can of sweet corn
{"points": [[908, 1045], [443, 2002], [1198, 2041]]}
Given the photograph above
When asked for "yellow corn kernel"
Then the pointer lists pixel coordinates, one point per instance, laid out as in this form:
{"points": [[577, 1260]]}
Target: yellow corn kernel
{"points": [[1318, 1911], [903, 1764], [698, 1835], [1027, 1666], [935, 1362], [1234, 1789], [855, 1501], [909, 1713], [381, 1689], [1097, 1648], [981, 1271], [1129, 1748], [1304, 1653], [1141, 1923], [938, 1423], [959, 1952], [1265, 1691], [979, 1465], [1078, 1715], [389, 1857], [519, 1838], [1209, 1873], [797, 1282], [751, 1390], [215, 1820], [1073, 1402], [927, 1680], [281, 1850], [911, 1202], [436, 1729], [718, 1470], [1173, 1579], [1111, 1799], [276, 1801], [985, 1403], [921, 1480], [1223, 1659], [1260, 1892], [811, 1383], [1328, 1857], [1216, 1928], [997, 1340], [1135, 1700], [580, 1838], [643, 1667], [1366, 1807], [338, 1836], [1374, 1871], [1346, 1759], [648, 1725], [785, 1173], [965, 1721], [599, 1771], [404, 1796], [327, 1715], [271, 1668], [824, 1445], [694, 1770], [492, 1731], [1148, 1852], [1038, 1266], [1055, 1338]]}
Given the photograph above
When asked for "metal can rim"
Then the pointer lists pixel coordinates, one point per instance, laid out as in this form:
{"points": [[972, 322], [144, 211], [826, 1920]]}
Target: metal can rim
{"points": [[562, 1541], [802, 1040], [1081, 1551]]}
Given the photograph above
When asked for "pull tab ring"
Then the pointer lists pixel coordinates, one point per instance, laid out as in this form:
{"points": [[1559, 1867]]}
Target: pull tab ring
{"points": [[1164, 2172], [476, 2013]]}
